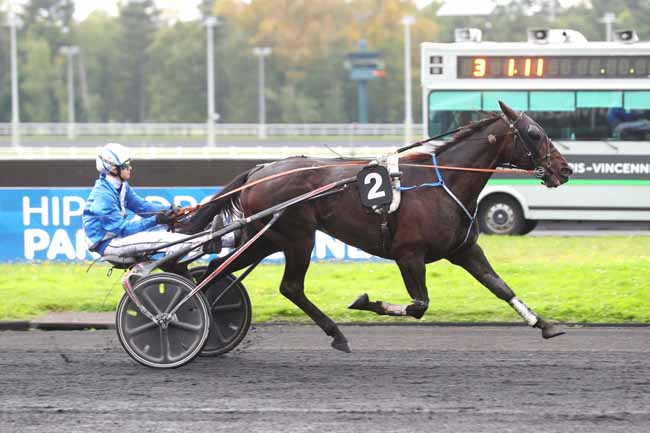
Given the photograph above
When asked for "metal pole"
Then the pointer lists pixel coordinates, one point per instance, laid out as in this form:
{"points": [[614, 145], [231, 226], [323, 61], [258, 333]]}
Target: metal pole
{"points": [[261, 53], [362, 101], [15, 113], [210, 23], [70, 97], [262, 100], [69, 52], [408, 104], [608, 19]]}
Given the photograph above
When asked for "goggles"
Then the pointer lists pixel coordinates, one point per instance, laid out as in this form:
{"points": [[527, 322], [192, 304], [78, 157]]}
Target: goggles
{"points": [[126, 166]]}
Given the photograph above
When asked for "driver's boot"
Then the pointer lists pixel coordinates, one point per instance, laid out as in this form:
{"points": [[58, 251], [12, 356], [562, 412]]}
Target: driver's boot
{"points": [[229, 240], [214, 245]]}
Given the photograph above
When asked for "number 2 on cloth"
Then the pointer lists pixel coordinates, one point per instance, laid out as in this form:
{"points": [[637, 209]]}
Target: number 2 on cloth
{"points": [[375, 191]]}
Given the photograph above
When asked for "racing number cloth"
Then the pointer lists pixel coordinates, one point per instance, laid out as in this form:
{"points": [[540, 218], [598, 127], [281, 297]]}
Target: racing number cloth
{"points": [[374, 186]]}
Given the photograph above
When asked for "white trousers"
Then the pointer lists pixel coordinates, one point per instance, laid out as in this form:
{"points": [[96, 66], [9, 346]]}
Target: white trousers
{"points": [[132, 245]]}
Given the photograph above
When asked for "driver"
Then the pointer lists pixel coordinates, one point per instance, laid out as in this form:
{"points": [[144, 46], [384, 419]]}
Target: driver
{"points": [[108, 230]]}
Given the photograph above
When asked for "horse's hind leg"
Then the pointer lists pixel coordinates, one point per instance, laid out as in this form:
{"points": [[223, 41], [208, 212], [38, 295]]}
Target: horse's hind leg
{"points": [[474, 261], [413, 270], [297, 258]]}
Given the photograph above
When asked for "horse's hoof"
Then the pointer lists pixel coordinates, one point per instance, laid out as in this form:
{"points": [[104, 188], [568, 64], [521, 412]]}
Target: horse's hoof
{"points": [[416, 310], [361, 302], [550, 331], [341, 344]]}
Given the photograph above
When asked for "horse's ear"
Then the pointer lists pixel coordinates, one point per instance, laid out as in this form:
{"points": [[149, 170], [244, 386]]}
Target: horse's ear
{"points": [[509, 112]]}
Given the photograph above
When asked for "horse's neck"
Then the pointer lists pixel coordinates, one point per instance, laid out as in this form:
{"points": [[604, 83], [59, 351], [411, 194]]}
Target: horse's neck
{"points": [[476, 152]]}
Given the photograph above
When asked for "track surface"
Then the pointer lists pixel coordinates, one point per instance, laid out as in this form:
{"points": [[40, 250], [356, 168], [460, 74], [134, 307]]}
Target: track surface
{"points": [[287, 379]]}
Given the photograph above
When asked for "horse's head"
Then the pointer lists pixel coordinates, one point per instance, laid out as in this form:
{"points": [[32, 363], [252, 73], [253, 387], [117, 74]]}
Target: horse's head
{"points": [[531, 149]]}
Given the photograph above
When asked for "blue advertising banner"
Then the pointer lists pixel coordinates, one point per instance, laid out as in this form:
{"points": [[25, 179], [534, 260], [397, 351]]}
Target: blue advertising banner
{"points": [[45, 223]]}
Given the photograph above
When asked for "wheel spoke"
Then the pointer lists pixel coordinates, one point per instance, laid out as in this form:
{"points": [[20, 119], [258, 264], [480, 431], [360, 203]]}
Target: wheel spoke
{"points": [[221, 295], [227, 307], [140, 329], [173, 302], [215, 331], [164, 344], [147, 298], [185, 326]]}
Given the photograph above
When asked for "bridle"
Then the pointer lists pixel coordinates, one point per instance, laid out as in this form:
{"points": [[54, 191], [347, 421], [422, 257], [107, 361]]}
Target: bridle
{"points": [[543, 163]]}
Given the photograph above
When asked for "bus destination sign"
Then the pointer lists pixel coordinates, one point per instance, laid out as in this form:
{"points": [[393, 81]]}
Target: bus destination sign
{"points": [[558, 67]]}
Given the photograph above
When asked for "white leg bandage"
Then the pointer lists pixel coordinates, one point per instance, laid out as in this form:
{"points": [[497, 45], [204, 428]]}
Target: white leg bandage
{"points": [[525, 312]]}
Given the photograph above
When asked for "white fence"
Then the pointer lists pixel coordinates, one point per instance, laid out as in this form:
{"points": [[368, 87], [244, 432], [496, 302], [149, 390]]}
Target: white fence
{"points": [[200, 129]]}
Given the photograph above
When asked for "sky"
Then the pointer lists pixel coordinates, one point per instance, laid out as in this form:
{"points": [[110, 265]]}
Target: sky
{"points": [[187, 10]]}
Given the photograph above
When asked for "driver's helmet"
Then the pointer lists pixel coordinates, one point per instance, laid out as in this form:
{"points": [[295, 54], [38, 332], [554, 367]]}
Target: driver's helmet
{"points": [[112, 155]]}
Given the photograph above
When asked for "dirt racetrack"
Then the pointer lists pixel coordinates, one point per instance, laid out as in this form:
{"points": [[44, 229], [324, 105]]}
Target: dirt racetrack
{"points": [[288, 379]]}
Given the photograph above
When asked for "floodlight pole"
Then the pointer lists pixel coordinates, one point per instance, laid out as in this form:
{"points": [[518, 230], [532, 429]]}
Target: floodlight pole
{"points": [[407, 21], [261, 53], [15, 111], [69, 51], [210, 23], [608, 19]]}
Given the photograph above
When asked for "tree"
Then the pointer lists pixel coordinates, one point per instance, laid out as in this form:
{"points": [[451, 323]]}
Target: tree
{"points": [[39, 98], [98, 40], [138, 23], [50, 20], [177, 87]]}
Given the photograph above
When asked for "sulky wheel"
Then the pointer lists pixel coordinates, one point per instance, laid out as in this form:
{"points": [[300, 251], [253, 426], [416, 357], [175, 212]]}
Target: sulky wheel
{"points": [[178, 338], [231, 313]]}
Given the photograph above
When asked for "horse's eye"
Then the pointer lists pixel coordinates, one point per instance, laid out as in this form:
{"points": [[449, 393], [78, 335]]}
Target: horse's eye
{"points": [[534, 132]]}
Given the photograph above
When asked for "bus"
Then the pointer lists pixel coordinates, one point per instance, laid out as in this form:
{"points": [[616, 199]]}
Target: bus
{"points": [[592, 99]]}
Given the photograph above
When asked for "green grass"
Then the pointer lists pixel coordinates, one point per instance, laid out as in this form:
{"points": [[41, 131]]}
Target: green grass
{"points": [[571, 279]]}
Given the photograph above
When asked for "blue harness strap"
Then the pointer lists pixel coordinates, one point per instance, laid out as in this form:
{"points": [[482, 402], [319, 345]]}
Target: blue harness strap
{"points": [[429, 184], [441, 183]]}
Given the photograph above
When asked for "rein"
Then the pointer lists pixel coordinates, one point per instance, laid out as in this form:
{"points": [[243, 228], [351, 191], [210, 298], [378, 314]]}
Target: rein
{"points": [[480, 170], [190, 209]]}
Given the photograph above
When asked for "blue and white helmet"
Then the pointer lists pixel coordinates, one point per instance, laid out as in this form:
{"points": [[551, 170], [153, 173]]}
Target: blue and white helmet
{"points": [[111, 156]]}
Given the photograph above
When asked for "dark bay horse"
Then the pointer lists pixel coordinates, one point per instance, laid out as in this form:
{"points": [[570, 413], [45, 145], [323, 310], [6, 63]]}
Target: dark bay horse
{"points": [[432, 223]]}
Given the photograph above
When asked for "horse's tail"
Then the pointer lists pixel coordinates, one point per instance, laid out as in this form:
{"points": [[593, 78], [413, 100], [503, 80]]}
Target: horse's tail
{"points": [[199, 219]]}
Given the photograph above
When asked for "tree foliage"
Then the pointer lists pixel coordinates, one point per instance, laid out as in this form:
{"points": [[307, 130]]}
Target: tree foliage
{"points": [[138, 67]]}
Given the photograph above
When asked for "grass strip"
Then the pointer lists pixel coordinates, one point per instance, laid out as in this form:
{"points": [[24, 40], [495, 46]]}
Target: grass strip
{"points": [[571, 279]]}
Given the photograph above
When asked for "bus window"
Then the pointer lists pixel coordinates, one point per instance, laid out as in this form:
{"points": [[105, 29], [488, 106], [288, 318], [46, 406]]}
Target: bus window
{"points": [[450, 109], [599, 99], [552, 101], [552, 110], [631, 119], [590, 115], [592, 110], [515, 100]]}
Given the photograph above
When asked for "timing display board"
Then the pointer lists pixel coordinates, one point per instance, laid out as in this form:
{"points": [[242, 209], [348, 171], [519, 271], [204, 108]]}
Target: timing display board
{"points": [[553, 67]]}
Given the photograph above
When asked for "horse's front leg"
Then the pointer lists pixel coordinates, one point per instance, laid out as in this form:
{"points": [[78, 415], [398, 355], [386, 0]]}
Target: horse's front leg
{"points": [[474, 261], [413, 270]]}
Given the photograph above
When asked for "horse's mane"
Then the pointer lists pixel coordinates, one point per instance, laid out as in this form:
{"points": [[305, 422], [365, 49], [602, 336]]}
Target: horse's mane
{"points": [[459, 136]]}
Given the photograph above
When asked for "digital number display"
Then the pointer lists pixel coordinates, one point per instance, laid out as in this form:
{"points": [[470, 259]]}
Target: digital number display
{"points": [[531, 67]]}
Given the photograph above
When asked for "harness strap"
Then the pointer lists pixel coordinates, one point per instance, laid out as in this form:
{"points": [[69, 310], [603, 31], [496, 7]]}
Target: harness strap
{"points": [[385, 235], [441, 183]]}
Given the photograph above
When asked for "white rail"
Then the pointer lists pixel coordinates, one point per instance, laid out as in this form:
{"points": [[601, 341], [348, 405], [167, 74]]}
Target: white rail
{"points": [[200, 129]]}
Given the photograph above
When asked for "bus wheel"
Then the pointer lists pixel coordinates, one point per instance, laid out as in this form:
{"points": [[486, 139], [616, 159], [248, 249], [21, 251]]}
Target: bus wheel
{"points": [[501, 215]]}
